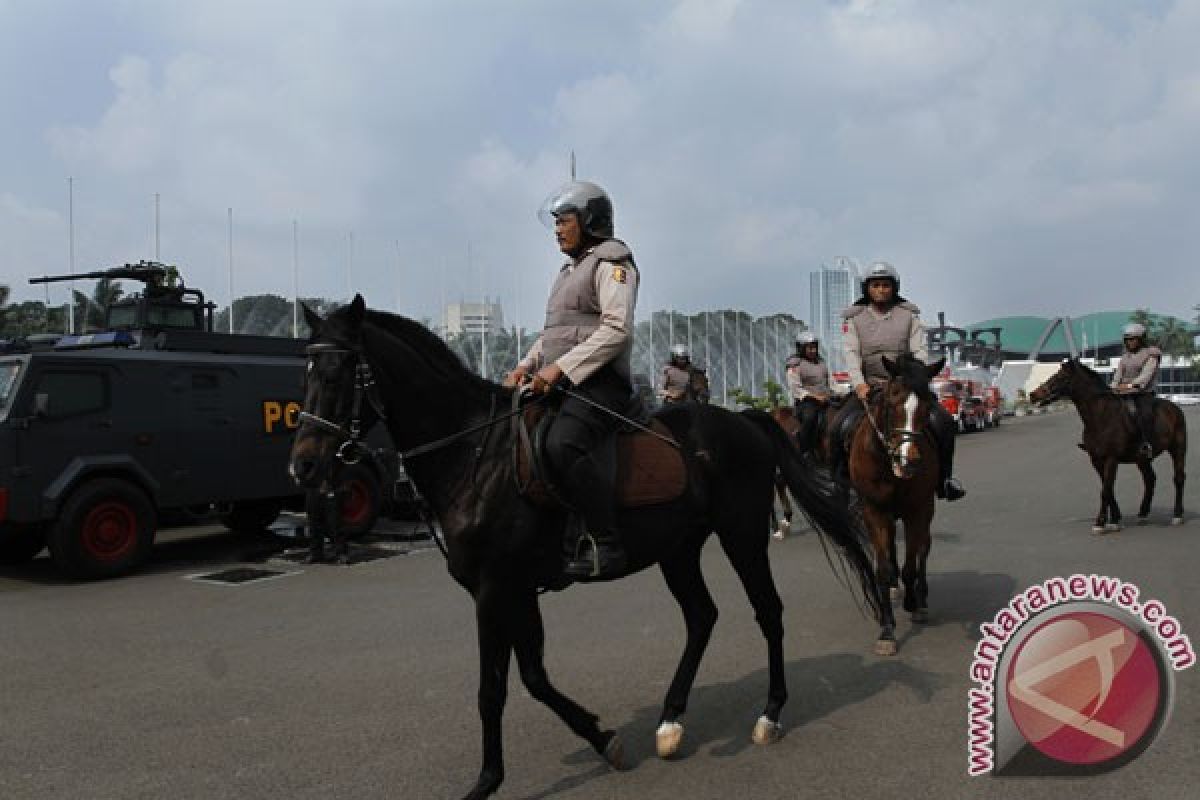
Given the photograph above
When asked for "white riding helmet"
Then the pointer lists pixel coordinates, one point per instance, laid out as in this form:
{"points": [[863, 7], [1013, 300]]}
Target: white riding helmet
{"points": [[805, 338], [680, 351], [1134, 329], [881, 269]]}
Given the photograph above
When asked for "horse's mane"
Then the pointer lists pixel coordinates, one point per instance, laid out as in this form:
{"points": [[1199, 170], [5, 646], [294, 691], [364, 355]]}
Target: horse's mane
{"points": [[1095, 378], [915, 368], [421, 345]]}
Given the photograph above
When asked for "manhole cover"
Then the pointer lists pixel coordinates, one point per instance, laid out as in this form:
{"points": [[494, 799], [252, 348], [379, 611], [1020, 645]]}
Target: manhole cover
{"points": [[240, 575]]}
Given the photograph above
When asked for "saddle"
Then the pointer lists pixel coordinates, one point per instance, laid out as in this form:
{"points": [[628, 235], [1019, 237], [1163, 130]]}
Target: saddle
{"points": [[649, 470]]}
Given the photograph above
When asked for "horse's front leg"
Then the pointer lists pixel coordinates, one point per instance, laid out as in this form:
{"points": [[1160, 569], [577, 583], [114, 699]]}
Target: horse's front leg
{"points": [[495, 652], [1109, 495], [1102, 515], [917, 543], [883, 532], [1148, 481], [528, 637]]}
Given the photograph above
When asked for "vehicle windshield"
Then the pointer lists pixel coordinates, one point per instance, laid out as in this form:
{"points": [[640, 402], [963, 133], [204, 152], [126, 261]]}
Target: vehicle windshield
{"points": [[9, 372]]}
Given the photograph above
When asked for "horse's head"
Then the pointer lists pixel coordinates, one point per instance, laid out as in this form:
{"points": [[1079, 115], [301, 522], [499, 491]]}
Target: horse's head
{"points": [[1057, 385], [339, 401], [907, 402]]}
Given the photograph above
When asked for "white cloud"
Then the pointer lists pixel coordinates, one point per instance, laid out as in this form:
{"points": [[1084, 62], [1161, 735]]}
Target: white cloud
{"points": [[982, 148]]}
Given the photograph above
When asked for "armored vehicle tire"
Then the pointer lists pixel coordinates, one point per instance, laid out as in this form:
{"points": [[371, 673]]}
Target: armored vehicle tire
{"points": [[106, 528], [252, 516], [20, 543], [364, 498]]}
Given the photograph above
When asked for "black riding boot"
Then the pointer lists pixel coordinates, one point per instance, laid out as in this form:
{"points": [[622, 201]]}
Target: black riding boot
{"points": [[944, 430], [597, 551], [1145, 423]]}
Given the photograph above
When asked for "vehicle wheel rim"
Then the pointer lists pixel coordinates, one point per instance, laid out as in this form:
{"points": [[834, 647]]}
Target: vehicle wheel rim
{"points": [[357, 506], [109, 531]]}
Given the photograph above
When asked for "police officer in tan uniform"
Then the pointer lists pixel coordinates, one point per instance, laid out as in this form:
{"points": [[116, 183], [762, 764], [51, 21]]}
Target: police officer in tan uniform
{"points": [[1135, 377], [808, 381], [681, 380], [882, 323], [586, 344]]}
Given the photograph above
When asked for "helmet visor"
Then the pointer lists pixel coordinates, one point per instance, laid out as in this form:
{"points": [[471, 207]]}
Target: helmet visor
{"points": [[564, 199]]}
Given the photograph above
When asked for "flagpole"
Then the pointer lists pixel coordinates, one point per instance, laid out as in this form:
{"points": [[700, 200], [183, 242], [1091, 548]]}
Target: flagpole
{"points": [[231, 270], [71, 239], [295, 279]]}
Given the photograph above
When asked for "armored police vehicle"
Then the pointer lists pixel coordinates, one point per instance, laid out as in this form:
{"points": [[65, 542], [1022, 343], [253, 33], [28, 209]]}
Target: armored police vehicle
{"points": [[101, 433]]}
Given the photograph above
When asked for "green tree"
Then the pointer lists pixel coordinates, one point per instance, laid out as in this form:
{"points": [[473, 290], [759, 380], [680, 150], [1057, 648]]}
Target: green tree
{"points": [[90, 311], [1173, 338], [772, 397]]}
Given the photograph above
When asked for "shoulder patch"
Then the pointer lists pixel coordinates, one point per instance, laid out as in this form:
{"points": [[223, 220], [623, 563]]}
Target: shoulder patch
{"points": [[620, 274]]}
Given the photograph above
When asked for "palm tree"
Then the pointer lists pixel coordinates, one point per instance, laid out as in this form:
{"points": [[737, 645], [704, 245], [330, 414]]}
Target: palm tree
{"points": [[1174, 339], [89, 311]]}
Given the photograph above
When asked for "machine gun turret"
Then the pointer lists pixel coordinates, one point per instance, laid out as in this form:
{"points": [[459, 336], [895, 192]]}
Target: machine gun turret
{"points": [[163, 303]]}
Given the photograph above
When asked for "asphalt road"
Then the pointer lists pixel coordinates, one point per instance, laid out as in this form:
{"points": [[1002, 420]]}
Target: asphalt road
{"points": [[360, 681]]}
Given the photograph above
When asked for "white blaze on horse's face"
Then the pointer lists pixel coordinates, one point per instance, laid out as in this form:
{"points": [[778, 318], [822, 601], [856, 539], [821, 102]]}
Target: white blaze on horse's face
{"points": [[908, 448]]}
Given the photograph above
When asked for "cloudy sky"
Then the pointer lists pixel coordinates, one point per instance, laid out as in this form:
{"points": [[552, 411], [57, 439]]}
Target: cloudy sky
{"points": [[1008, 157]]}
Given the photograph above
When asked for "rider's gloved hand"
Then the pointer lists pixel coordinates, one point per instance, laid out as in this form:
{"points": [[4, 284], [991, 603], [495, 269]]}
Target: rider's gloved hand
{"points": [[862, 390], [515, 378], [546, 378]]}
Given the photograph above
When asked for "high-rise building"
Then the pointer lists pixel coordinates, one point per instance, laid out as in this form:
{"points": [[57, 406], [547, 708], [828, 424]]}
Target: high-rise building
{"points": [[474, 318], [831, 289]]}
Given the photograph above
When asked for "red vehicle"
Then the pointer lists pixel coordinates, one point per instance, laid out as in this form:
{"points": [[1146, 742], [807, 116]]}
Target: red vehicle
{"points": [[961, 398], [993, 404]]}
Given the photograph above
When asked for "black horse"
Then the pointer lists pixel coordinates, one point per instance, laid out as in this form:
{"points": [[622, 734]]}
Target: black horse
{"points": [[1111, 437], [502, 548]]}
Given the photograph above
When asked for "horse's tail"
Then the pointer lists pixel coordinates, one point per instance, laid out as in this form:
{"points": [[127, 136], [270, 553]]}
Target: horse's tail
{"points": [[824, 504]]}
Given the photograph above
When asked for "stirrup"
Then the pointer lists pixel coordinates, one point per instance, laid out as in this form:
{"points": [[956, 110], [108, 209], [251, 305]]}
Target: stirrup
{"points": [[584, 565]]}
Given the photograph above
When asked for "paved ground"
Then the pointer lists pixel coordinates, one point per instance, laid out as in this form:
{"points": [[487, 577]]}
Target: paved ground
{"points": [[359, 682]]}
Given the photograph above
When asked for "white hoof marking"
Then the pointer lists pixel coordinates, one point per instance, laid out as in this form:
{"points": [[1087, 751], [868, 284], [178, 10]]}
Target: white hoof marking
{"points": [[667, 739], [885, 647], [1176, 520], [1112, 527], [766, 731]]}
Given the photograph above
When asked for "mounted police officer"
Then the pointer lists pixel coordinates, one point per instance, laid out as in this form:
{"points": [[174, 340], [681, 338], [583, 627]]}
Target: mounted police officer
{"points": [[882, 323], [586, 345], [1135, 377], [808, 381], [682, 381]]}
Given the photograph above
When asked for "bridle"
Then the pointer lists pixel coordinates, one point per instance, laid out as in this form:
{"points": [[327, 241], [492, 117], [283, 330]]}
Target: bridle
{"points": [[352, 447], [902, 436]]}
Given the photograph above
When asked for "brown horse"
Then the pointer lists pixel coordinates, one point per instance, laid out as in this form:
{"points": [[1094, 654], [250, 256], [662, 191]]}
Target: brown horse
{"points": [[1111, 437], [893, 465]]}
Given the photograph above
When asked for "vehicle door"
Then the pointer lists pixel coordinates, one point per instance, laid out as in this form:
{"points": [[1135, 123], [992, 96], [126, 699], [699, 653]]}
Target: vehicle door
{"points": [[69, 408], [206, 454]]}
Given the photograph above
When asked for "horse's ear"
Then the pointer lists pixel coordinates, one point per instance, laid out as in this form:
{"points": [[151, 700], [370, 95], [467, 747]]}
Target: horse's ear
{"points": [[358, 310], [890, 366], [935, 368], [312, 318]]}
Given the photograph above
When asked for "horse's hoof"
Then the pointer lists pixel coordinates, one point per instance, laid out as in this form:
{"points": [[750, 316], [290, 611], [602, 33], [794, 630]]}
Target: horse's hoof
{"points": [[1097, 529], [1112, 527], [778, 535], [614, 753], [885, 647], [766, 731], [1176, 520], [920, 616], [894, 592], [668, 738], [1143, 519]]}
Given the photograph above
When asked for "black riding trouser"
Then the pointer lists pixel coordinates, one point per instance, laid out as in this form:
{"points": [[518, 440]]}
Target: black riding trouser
{"points": [[1141, 409], [582, 449], [808, 414]]}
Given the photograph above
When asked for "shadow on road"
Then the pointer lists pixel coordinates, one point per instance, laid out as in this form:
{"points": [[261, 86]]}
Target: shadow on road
{"points": [[964, 598]]}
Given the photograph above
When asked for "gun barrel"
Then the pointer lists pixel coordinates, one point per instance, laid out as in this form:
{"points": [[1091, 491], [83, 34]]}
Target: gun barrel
{"points": [[131, 272]]}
